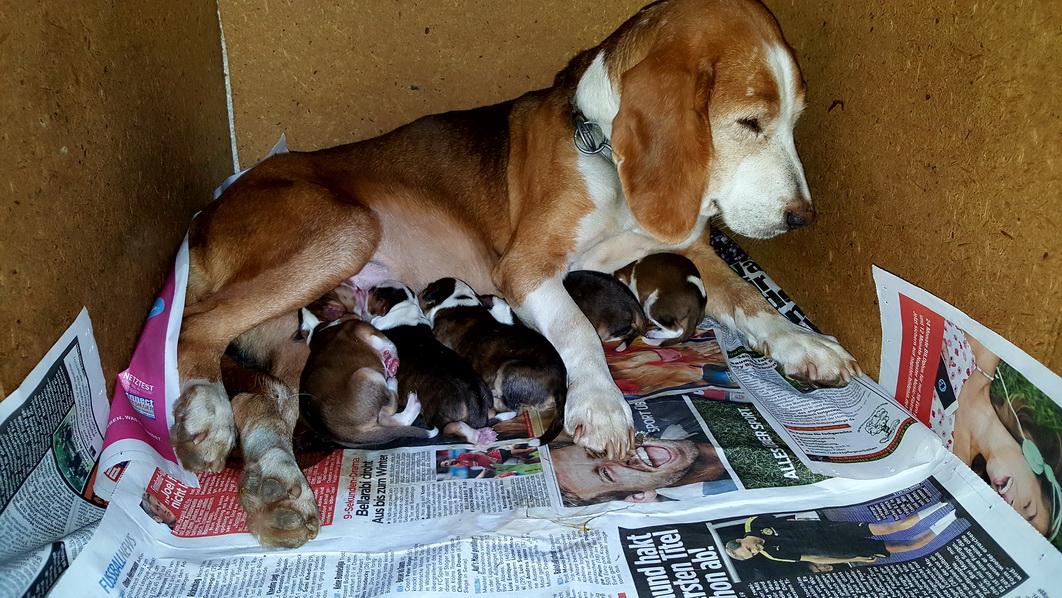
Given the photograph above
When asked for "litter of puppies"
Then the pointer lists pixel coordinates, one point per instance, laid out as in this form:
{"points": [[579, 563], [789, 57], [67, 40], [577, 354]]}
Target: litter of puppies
{"points": [[384, 359]]}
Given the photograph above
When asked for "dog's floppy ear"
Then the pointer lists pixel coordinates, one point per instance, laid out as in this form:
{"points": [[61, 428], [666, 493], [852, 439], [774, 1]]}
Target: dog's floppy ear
{"points": [[662, 144]]}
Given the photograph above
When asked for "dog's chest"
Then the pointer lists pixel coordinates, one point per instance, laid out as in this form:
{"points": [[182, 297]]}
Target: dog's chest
{"points": [[608, 237]]}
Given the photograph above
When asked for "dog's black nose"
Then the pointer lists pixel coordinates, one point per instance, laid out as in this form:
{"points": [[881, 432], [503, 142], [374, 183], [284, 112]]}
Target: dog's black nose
{"points": [[799, 216]]}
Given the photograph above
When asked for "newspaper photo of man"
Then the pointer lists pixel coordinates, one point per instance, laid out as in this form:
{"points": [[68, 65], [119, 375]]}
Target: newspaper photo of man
{"points": [[159, 512], [818, 542], [673, 458]]}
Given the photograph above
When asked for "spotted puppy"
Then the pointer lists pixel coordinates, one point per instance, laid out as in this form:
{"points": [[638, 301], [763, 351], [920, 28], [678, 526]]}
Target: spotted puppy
{"points": [[453, 396], [519, 365], [610, 306], [671, 293], [348, 391]]}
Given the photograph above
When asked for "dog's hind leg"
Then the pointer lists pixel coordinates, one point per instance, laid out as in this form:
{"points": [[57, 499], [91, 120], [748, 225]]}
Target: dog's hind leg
{"points": [[267, 248], [281, 510]]}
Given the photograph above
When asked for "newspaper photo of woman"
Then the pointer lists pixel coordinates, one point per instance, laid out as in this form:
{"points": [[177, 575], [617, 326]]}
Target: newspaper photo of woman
{"points": [[643, 370], [1008, 432]]}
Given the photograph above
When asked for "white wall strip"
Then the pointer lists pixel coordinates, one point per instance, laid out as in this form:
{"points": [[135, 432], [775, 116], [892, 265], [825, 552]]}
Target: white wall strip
{"points": [[228, 93]]}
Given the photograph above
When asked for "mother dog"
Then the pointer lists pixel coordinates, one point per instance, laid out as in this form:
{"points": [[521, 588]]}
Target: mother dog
{"points": [[684, 114]]}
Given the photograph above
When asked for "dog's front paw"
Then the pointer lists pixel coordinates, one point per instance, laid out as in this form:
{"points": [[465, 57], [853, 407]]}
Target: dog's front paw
{"points": [[598, 419], [203, 431], [281, 509], [807, 355]]}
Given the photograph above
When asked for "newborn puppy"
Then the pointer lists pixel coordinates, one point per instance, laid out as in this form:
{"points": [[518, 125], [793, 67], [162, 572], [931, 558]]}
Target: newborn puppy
{"points": [[347, 393], [672, 295], [609, 305], [336, 303], [453, 396], [520, 366]]}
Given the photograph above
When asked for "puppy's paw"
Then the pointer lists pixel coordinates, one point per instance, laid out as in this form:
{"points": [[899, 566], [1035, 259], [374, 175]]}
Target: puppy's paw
{"points": [[281, 509], [203, 431], [807, 355], [407, 416], [390, 363], [598, 419]]}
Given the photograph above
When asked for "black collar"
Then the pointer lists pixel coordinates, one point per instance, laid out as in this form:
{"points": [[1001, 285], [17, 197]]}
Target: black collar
{"points": [[589, 138]]}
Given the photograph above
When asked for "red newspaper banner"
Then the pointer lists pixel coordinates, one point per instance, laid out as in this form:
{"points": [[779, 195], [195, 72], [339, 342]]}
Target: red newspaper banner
{"points": [[922, 337]]}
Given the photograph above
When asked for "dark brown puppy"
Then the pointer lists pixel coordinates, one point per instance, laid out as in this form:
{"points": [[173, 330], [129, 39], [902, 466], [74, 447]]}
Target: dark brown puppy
{"points": [[519, 365], [348, 391], [671, 292], [453, 396], [609, 305]]}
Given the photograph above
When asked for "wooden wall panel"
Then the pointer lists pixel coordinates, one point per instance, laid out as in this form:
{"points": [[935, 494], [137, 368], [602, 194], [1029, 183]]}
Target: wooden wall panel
{"points": [[933, 147], [113, 131], [327, 73]]}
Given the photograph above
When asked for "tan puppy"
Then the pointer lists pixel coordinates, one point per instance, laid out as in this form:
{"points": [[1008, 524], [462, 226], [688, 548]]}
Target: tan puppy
{"points": [[671, 293]]}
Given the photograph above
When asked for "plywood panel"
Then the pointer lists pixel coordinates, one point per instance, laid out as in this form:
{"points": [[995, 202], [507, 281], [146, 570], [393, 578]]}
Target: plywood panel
{"points": [[112, 132], [933, 146], [931, 141], [328, 73]]}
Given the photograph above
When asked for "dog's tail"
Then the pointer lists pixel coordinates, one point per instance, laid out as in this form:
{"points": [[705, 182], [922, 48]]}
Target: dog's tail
{"points": [[556, 426], [529, 384]]}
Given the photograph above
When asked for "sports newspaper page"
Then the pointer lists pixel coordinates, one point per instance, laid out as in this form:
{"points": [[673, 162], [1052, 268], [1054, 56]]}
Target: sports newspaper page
{"points": [[51, 433]]}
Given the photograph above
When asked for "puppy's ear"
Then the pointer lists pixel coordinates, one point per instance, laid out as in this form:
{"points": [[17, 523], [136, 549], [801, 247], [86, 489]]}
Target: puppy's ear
{"points": [[625, 273], [662, 144]]}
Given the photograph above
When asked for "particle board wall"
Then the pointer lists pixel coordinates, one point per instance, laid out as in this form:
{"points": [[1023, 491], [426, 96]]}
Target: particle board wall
{"points": [[931, 140], [327, 73], [113, 131], [933, 146]]}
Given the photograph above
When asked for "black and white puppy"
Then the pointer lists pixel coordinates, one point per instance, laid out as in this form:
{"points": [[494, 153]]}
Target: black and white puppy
{"points": [[521, 367], [348, 392], [671, 292], [609, 305], [453, 396]]}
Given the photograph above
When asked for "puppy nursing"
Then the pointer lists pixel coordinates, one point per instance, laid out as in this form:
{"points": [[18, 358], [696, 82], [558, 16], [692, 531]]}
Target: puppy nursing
{"points": [[453, 396], [671, 292], [609, 305], [348, 390], [519, 365]]}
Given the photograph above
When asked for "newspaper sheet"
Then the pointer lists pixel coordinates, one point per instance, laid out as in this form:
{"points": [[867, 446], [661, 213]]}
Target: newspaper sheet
{"points": [[51, 433], [932, 530], [995, 407]]}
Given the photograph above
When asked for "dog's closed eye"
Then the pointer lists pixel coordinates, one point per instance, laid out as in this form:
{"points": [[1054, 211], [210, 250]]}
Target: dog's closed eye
{"points": [[752, 124]]}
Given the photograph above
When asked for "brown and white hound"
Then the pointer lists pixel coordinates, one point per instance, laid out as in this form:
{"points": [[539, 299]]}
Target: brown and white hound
{"points": [[684, 114]]}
